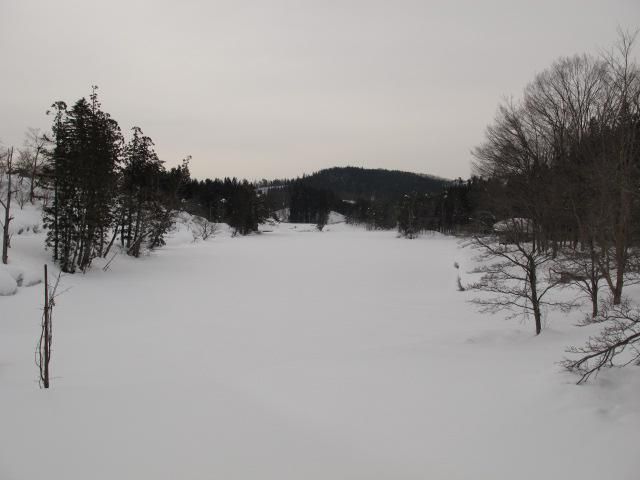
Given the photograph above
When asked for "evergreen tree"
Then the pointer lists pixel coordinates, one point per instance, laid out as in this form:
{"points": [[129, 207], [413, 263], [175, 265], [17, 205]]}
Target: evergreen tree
{"points": [[140, 207], [407, 216], [245, 209], [83, 175]]}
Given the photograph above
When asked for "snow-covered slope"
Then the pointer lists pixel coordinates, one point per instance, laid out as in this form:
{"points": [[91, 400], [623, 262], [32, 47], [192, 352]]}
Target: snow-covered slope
{"points": [[337, 354], [26, 259], [334, 217]]}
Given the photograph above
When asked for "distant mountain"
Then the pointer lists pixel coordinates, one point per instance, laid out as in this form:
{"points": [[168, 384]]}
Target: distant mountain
{"points": [[352, 183]]}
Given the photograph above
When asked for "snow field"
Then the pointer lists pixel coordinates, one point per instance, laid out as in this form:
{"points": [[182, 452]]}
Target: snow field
{"points": [[341, 354]]}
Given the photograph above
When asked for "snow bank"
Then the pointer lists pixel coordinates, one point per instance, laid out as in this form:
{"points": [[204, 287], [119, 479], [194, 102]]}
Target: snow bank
{"points": [[23, 276], [14, 276], [188, 230], [335, 217], [513, 225], [8, 284]]}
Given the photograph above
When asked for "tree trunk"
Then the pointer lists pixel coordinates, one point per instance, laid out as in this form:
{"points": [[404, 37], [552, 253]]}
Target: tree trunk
{"points": [[56, 230], [535, 301], [595, 274], [113, 239], [47, 333], [7, 211], [617, 292], [34, 169]]}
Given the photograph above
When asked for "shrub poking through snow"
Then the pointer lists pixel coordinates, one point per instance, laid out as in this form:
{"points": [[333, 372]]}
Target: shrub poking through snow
{"points": [[201, 228], [459, 285]]}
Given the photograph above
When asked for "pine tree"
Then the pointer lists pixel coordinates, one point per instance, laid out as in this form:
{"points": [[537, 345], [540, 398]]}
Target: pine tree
{"points": [[139, 202], [407, 216], [82, 171]]}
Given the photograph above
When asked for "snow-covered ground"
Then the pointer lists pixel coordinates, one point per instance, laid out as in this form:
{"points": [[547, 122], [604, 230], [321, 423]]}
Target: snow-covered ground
{"points": [[334, 217], [297, 354]]}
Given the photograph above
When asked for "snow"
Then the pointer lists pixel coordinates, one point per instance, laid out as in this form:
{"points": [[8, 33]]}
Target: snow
{"points": [[335, 217], [25, 220], [513, 224], [282, 214], [338, 354], [8, 284]]}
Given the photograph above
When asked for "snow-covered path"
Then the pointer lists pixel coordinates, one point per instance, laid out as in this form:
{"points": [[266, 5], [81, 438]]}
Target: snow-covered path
{"points": [[344, 354]]}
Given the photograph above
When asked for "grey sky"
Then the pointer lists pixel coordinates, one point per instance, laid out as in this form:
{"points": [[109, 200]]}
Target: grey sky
{"points": [[277, 88]]}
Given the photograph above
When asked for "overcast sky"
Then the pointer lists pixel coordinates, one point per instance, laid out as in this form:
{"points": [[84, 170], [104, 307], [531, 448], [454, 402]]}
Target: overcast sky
{"points": [[277, 88]]}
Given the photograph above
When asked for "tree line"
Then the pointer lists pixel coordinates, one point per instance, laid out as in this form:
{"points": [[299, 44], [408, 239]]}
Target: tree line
{"points": [[560, 172], [103, 189], [99, 189], [374, 198], [235, 202]]}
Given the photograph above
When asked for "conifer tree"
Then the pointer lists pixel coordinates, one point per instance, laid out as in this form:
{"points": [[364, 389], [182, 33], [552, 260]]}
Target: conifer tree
{"points": [[83, 176], [140, 192]]}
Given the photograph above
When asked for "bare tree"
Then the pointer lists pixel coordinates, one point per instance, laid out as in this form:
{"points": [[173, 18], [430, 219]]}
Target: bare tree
{"points": [[517, 155], [6, 204], [586, 110], [32, 157], [515, 273], [617, 345], [202, 228], [566, 156], [565, 102], [581, 269], [621, 147]]}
